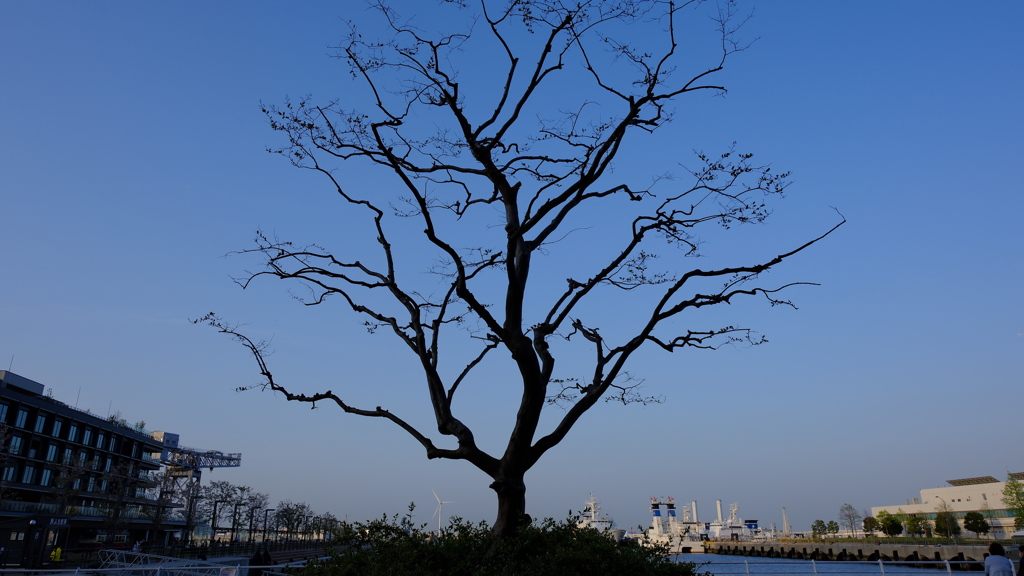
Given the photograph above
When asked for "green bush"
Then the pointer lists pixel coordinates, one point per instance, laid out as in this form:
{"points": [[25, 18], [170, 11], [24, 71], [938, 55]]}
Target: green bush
{"points": [[394, 547]]}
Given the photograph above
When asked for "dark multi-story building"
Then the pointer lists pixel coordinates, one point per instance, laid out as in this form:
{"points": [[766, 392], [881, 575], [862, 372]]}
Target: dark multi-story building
{"points": [[70, 478]]}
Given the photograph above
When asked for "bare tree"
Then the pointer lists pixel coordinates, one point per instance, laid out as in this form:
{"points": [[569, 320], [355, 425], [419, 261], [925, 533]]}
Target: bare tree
{"points": [[216, 503], [849, 518], [253, 503], [293, 517], [70, 475], [504, 172], [159, 501], [121, 485]]}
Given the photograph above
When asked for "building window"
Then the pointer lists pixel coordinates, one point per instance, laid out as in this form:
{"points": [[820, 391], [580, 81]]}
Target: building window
{"points": [[10, 473], [92, 485], [3, 412], [81, 458], [45, 479], [40, 422], [73, 433], [87, 438], [15, 445], [17, 536], [29, 475], [22, 418], [106, 467], [68, 455], [77, 485], [99, 440], [51, 453], [112, 443], [56, 428]]}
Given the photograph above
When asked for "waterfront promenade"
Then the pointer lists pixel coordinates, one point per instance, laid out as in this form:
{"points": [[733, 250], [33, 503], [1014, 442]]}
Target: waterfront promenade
{"points": [[126, 563], [853, 550]]}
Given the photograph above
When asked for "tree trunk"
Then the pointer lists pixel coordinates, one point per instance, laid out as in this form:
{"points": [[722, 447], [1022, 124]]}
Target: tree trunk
{"points": [[511, 492]]}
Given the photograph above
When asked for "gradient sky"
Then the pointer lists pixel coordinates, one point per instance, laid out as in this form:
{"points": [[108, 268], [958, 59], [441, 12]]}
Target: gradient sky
{"points": [[132, 162]]}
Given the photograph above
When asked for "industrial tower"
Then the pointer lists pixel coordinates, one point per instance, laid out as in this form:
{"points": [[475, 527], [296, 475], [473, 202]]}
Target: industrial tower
{"points": [[184, 471]]}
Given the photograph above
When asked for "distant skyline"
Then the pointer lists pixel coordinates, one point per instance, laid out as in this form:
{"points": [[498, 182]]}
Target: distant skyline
{"points": [[132, 163]]}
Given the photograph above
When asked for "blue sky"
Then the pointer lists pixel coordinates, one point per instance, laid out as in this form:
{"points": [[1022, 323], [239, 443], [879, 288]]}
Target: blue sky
{"points": [[132, 162]]}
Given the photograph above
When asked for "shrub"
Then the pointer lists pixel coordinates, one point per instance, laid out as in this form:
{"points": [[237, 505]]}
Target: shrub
{"points": [[397, 548]]}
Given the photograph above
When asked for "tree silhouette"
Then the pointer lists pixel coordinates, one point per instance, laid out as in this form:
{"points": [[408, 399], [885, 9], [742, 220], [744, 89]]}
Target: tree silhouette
{"points": [[819, 528], [849, 517], [505, 227], [871, 525], [976, 522], [69, 479], [1013, 499]]}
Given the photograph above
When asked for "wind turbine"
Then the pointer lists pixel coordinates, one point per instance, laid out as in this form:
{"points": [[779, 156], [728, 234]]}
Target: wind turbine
{"points": [[438, 510]]}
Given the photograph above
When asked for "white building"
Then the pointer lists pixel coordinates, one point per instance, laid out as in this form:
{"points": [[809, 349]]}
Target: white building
{"points": [[982, 494]]}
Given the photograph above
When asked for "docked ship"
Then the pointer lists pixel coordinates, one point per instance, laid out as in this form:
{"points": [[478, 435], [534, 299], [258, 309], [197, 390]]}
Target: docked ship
{"points": [[678, 535], [733, 528], [687, 534], [593, 517]]}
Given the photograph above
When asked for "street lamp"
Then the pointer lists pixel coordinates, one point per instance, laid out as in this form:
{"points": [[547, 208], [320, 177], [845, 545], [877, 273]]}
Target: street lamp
{"points": [[949, 524], [234, 523], [213, 521], [265, 512], [252, 518]]}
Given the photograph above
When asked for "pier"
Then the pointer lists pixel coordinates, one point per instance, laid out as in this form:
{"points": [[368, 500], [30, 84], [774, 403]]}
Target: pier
{"points": [[851, 551]]}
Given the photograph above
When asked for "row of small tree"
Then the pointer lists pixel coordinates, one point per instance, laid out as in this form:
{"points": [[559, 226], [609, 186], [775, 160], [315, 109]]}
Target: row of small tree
{"points": [[944, 525], [244, 513]]}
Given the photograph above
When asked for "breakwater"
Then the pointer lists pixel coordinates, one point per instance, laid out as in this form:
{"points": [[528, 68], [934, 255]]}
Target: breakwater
{"points": [[849, 551]]}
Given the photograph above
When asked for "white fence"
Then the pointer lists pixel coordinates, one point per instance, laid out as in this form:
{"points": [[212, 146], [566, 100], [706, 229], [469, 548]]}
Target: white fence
{"points": [[759, 567], [729, 567]]}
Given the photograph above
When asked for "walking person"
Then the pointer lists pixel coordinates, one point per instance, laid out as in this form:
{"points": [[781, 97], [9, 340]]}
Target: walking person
{"points": [[256, 560]]}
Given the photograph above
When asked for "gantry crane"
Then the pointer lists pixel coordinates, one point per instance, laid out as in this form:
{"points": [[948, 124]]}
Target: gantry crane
{"points": [[182, 462], [185, 468]]}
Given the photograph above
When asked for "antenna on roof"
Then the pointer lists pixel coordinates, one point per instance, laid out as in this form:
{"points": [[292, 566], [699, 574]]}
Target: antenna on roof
{"points": [[11, 365]]}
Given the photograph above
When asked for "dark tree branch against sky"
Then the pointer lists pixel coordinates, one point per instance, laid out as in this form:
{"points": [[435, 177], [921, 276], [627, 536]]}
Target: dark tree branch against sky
{"points": [[497, 176]]}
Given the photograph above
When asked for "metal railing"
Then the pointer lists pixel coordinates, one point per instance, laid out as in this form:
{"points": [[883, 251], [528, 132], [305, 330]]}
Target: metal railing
{"points": [[836, 568], [133, 564], [127, 563]]}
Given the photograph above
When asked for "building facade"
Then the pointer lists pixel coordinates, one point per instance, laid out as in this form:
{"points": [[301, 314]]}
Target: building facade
{"points": [[982, 494], [71, 479]]}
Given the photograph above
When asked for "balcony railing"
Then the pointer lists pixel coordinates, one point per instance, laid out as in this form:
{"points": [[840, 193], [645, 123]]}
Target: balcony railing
{"points": [[128, 513]]}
